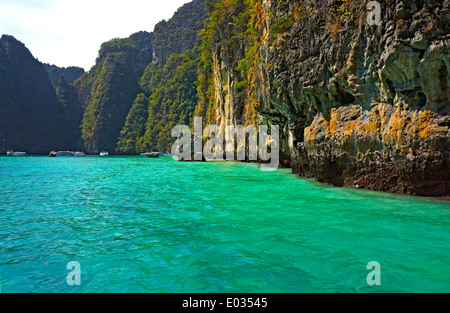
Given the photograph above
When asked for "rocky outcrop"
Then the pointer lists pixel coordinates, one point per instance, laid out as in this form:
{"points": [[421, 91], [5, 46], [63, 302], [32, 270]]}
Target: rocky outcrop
{"points": [[358, 104], [387, 148], [32, 118]]}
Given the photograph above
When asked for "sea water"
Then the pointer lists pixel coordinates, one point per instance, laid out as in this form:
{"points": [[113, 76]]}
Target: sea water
{"points": [[136, 224]]}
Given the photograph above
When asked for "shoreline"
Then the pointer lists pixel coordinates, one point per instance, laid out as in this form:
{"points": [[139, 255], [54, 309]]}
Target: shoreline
{"points": [[285, 164]]}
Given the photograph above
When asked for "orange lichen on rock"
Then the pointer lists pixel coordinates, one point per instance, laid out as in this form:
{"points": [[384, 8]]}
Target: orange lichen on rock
{"points": [[394, 129], [312, 131], [331, 125], [351, 126], [250, 114], [422, 123], [373, 123]]}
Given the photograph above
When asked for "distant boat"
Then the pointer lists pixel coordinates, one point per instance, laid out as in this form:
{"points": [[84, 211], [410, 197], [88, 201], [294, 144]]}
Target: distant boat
{"points": [[15, 153], [144, 154], [104, 153], [66, 154], [158, 155]]}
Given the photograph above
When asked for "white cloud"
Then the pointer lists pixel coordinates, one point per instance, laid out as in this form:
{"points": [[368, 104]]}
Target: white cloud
{"points": [[69, 33]]}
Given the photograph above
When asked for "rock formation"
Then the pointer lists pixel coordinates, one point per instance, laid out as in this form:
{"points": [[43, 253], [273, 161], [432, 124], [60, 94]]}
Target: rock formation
{"points": [[32, 118], [358, 104]]}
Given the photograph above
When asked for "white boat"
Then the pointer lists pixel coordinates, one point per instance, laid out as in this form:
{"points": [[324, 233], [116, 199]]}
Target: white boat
{"points": [[104, 153], [66, 154], [15, 153]]}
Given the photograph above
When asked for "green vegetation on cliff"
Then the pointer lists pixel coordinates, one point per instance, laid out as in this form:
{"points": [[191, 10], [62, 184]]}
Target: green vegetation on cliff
{"points": [[132, 133], [232, 36], [32, 117], [180, 33], [173, 100], [109, 89], [111, 93], [120, 105]]}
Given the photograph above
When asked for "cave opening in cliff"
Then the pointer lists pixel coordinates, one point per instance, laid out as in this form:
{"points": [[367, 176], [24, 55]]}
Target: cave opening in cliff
{"points": [[344, 98], [421, 100]]}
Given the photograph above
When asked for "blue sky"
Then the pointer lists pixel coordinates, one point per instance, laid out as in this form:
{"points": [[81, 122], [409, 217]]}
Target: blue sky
{"points": [[70, 32]]}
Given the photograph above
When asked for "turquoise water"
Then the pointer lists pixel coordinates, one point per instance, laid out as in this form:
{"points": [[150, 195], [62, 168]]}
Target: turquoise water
{"points": [[155, 225]]}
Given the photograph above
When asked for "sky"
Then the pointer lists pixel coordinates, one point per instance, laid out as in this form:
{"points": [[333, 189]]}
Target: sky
{"points": [[70, 32]]}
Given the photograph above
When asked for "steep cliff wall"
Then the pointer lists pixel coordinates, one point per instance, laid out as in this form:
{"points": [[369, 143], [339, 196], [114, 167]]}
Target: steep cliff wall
{"points": [[358, 105], [124, 69], [107, 91], [32, 117], [168, 84]]}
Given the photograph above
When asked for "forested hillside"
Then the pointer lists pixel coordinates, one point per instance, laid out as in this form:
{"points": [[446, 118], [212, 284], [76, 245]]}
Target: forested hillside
{"points": [[32, 117], [136, 74]]}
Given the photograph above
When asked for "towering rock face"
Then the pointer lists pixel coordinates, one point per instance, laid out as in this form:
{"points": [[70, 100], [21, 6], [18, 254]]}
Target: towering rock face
{"points": [[111, 92], [67, 95], [168, 84], [107, 91], [173, 97], [358, 104], [180, 33], [31, 116], [63, 80]]}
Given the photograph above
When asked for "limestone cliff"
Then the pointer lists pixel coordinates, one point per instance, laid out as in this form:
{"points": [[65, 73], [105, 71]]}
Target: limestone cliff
{"points": [[33, 117], [125, 68], [358, 104]]}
